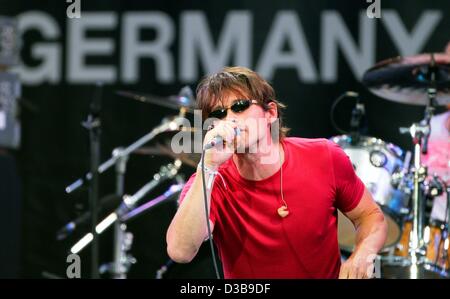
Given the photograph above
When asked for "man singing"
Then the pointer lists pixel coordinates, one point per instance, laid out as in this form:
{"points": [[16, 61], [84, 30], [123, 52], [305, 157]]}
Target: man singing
{"points": [[274, 199]]}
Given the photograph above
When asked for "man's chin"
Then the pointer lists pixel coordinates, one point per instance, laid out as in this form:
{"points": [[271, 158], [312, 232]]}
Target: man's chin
{"points": [[246, 149]]}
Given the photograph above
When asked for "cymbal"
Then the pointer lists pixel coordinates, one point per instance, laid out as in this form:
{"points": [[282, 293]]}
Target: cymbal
{"points": [[162, 146], [191, 159], [184, 99], [406, 79]]}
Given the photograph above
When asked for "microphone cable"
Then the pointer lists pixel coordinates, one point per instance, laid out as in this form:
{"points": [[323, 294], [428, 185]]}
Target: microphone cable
{"points": [[205, 198]]}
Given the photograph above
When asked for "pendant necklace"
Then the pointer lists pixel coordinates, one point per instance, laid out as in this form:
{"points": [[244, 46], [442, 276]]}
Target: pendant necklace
{"points": [[283, 210]]}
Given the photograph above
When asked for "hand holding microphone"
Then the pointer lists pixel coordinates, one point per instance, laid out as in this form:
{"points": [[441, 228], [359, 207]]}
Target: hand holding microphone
{"points": [[220, 142]]}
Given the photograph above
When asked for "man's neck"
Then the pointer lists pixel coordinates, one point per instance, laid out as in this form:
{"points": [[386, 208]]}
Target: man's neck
{"points": [[260, 165]]}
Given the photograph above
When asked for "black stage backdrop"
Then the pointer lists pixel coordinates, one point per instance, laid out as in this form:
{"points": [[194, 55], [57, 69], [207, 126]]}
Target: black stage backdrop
{"points": [[311, 51]]}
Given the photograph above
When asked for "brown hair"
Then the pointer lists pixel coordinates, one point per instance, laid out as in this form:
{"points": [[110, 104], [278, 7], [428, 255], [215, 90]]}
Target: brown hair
{"points": [[242, 81]]}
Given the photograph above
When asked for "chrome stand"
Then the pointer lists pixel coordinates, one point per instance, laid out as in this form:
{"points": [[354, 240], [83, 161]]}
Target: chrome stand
{"points": [[420, 133], [122, 239], [126, 211]]}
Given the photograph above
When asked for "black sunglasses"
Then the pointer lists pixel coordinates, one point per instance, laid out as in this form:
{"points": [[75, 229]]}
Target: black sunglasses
{"points": [[238, 106]]}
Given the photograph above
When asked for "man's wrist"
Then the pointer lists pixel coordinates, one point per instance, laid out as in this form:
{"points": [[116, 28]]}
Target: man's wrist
{"points": [[208, 169], [208, 165], [210, 174], [365, 250]]}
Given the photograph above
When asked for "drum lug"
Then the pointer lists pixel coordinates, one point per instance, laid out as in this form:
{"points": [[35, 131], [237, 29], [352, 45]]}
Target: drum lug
{"points": [[422, 173]]}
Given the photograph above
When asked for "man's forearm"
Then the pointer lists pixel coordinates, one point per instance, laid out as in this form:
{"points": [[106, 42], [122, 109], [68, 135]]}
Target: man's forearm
{"points": [[371, 233], [188, 227]]}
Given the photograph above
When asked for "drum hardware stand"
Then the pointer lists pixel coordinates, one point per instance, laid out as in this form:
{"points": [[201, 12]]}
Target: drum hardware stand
{"points": [[123, 239], [417, 246], [420, 133], [165, 126], [174, 189], [402, 80], [161, 271], [93, 125], [119, 158]]}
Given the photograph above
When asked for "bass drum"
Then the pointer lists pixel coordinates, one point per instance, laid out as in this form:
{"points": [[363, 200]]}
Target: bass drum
{"points": [[375, 162]]}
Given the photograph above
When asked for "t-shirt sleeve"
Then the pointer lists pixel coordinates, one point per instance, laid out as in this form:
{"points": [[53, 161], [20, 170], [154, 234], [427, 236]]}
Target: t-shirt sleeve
{"points": [[186, 188], [184, 191], [349, 188]]}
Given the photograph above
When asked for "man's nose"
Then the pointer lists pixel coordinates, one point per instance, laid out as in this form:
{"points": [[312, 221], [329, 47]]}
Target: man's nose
{"points": [[231, 116]]}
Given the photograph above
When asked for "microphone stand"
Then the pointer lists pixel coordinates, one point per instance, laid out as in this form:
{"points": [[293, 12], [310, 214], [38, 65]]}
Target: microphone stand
{"points": [[164, 127], [355, 122], [93, 125]]}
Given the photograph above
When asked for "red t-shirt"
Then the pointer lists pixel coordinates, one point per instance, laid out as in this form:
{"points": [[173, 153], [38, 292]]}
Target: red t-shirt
{"points": [[255, 242]]}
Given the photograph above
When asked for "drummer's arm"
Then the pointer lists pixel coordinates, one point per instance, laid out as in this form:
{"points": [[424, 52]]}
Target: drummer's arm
{"points": [[371, 232]]}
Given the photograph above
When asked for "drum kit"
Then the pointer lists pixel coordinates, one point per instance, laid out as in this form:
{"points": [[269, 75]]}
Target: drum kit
{"points": [[416, 246]]}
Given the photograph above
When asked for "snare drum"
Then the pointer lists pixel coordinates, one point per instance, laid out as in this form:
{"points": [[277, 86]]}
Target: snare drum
{"points": [[375, 162], [436, 242], [397, 267]]}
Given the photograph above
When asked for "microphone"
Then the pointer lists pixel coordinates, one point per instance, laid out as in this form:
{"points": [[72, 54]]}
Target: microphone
{"points": [[219, 139], [357, 113]]}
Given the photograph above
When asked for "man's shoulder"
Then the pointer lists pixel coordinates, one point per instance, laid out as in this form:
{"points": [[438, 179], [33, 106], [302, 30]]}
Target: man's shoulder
{"points": [[312, 152]]}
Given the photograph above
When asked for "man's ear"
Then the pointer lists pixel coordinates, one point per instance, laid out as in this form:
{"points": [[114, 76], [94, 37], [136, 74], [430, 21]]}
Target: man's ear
{"points": [[272, 112]]}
